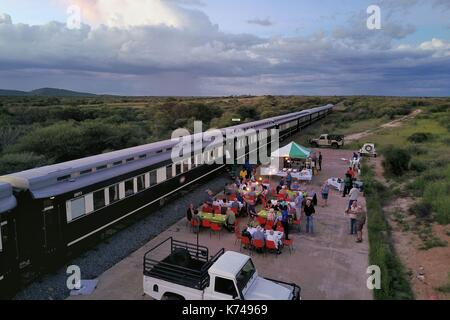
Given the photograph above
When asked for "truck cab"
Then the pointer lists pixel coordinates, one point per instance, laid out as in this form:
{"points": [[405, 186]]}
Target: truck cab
{"points": [[225, 276]]}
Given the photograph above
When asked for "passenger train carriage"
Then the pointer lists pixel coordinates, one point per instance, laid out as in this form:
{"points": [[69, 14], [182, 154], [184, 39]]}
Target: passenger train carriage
{"points": [[61, 206]]}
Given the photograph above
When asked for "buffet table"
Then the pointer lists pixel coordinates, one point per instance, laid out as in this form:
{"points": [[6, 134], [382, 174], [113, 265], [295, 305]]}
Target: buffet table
{"points": [[303, 175]]}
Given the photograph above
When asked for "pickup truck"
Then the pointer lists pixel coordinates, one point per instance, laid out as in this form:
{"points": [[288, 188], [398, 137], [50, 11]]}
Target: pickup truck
{"points": [[175, 270], [328, 140]]}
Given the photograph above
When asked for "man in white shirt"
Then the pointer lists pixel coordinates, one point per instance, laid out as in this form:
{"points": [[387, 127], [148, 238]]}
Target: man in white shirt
{"points": [[354, 194]]}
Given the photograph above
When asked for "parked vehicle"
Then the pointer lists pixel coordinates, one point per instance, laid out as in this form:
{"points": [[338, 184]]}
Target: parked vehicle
{"points": [[175, 270], [328, 140], [368, 149]]}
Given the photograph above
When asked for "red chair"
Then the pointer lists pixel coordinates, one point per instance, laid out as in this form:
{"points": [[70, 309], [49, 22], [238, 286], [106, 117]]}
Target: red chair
{"points": [[271, 246], [215, 228], [232, 197], [280, 228], [281, 197], [207, 209], [261, 221], [245, 241], [289, 243], [268, 226], [258, 244], [216, 210], [206, 223], [235, 210]]}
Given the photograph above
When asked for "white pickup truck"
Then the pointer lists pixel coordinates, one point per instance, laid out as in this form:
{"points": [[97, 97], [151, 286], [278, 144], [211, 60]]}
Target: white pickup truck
{"points": [[175, 270]]}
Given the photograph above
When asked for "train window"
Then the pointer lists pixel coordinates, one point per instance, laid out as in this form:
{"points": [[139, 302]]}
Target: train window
{"points": [[140, 183], [178, 169], [186, 165], [101, 167], [114, 193], [153, 178], [99, 199], [129, 187], [129, 159], [77, 208], [169, 172], [142, 156], [86, 171], [117, 163], [64, 178]]}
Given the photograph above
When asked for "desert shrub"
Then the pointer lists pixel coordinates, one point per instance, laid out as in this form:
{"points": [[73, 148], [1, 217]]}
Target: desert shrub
{"points": [[417, 150], [420, 137], [421, 210], [437, 197], [417, 166], [396, 161]]}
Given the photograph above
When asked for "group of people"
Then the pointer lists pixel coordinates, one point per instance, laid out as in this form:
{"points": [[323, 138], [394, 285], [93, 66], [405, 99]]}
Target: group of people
{"points": [[241, 197]]}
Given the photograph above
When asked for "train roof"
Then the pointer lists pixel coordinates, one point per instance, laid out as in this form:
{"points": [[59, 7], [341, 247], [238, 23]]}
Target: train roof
{"points": [[7, 200], [67, 176]]}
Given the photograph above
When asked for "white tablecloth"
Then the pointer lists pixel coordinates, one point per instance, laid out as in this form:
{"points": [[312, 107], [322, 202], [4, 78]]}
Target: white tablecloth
{"points": [[304, 175]]}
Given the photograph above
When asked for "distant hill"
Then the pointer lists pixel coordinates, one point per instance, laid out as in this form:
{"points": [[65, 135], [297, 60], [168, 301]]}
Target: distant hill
{"points": [[46, 92]]}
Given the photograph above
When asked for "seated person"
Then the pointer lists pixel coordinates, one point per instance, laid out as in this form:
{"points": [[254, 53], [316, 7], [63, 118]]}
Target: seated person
{"points": [[259, 235], [190, 212], [272, 237], [224, 207], [230, 220], [271, 215], [251, 210]]}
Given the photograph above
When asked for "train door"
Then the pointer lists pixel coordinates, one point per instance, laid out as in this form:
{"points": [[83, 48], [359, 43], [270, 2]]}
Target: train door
{"points": [[51, 229], [8, 258]]}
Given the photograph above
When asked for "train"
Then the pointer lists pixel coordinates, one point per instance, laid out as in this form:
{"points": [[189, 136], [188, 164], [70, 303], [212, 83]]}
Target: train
{"points": [[49, 212]]}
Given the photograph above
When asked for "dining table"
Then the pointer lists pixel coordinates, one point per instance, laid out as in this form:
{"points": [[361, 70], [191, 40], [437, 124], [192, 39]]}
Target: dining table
{"points": [[211, 217]]}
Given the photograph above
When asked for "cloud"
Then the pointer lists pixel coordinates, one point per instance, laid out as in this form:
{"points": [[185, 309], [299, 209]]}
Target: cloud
{"points": [[182, 53], [5, 19], [261, 22]]}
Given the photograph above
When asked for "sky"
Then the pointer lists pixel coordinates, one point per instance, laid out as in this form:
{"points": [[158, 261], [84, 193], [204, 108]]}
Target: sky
{"points": [[226, 47]]}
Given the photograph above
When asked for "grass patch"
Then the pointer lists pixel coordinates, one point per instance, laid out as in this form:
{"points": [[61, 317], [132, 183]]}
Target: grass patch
{"points": [[394, 278]]}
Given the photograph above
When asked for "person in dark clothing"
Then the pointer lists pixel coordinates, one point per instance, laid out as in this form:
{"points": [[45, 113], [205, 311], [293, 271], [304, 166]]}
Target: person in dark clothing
{"points": [[190, 212], [348, 184], [320, 161], [309, 212], [285, 221]]}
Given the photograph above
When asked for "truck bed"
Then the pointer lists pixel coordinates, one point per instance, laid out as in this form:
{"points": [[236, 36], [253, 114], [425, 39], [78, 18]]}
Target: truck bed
{"points": [[181, 263]]}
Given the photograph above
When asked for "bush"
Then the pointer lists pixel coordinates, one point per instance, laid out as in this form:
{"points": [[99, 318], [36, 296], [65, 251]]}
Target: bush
{"points": [[396, 161], [437, 197], [417, 150], [417, 166], [420, 137]]}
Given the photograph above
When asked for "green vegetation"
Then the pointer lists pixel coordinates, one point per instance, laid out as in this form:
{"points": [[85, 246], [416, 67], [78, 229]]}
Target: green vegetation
{"points": [[40, 130], [396, 161], [445, 288], [394, 279]]}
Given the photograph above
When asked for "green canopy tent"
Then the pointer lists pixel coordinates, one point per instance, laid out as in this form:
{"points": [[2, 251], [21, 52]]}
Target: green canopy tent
{"points": [[293, 151]]}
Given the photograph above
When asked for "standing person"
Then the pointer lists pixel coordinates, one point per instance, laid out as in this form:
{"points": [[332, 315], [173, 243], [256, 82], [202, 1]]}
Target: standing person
{"points": [[309, 211], [285, 221], [243, 174], [289, 180], [190, 212], [348, 183], [320, 161], [299, 205], [354, 194], [352, 211], [325, 190], [360, 221]]}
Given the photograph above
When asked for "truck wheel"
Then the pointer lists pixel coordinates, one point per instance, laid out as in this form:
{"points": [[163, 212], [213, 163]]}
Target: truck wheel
{"points": [[314, 145], [335, 145]]}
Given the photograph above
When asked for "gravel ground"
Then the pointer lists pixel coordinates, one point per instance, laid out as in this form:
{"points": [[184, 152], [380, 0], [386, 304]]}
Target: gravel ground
{"points": [[115, 248]]}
